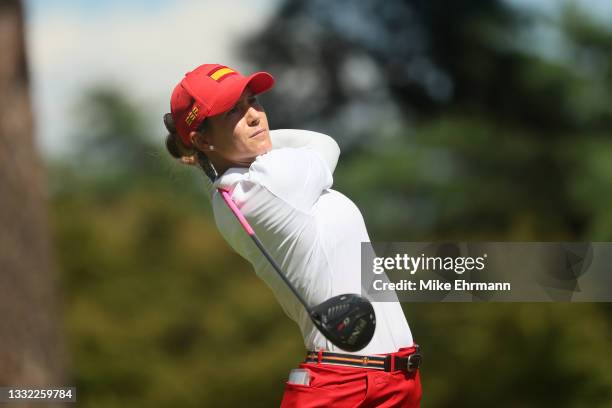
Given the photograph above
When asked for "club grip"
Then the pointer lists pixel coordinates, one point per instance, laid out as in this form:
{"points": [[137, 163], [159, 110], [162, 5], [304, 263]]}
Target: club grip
{"points": [[228, 200]]}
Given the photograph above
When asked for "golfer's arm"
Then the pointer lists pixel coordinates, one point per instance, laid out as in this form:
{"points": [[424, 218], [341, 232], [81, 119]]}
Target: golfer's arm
{"points": [[324, 145]]}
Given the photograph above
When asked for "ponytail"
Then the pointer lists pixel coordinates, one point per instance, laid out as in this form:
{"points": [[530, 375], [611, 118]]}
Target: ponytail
{"points": [[177, 149], [174, 143]]}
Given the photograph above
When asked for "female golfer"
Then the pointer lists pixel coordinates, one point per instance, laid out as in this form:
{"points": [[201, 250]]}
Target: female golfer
{"points": [[281, 181]]}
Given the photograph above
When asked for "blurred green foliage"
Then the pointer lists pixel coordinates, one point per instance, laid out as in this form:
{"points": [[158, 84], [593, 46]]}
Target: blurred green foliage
{"points": [[160, 312]]}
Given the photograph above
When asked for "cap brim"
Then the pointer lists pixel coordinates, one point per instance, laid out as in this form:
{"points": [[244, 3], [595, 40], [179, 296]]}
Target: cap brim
{"points": [[258, 82]]}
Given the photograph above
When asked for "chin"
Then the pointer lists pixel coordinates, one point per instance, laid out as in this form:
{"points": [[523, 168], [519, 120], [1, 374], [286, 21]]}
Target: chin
{"points": [[265, 147]]}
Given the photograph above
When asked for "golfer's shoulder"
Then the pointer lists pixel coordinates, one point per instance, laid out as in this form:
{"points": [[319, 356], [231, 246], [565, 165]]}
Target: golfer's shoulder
{"points": [[321, 143], [284, 158], [296, 176], [288, 167]]}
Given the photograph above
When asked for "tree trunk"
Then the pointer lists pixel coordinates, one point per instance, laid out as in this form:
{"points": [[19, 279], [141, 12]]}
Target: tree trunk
{"points": [[30, 352]]}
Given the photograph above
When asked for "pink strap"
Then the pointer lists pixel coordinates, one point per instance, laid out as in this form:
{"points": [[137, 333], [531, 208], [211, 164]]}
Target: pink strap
{"points": [[232, 205]]}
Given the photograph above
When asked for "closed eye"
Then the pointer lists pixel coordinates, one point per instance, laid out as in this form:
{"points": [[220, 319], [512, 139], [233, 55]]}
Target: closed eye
{"points": [[252, 101]]}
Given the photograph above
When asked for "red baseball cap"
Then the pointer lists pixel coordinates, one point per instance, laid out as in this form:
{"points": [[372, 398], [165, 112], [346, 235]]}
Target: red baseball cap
{"points": [[209, 90]]}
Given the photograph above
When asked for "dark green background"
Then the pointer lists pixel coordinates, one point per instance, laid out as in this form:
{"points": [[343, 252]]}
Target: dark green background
{"points": [[472, 127]]}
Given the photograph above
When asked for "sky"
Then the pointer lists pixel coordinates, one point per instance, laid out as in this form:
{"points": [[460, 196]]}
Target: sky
{"points": [[145, 47]]}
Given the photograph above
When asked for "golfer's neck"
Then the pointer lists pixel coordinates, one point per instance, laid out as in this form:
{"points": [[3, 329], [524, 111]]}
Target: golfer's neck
{"points": [[221, 164]]}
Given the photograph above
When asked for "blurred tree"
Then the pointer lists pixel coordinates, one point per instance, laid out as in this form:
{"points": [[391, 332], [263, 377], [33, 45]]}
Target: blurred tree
{"points": [[481, 135], [428, 55], [30, 347]]}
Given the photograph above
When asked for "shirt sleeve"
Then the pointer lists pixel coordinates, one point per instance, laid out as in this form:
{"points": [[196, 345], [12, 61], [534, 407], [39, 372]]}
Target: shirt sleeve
{"points": [[322, 144], [298, 176]]}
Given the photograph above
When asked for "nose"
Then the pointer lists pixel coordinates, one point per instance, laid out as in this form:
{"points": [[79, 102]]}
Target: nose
{"points": [[252, 116]]}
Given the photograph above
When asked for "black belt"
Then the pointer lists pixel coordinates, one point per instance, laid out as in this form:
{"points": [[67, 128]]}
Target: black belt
{"points": [[389, 362]]}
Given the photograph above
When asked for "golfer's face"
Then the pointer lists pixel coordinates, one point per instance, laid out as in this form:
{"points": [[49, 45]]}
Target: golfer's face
{"points": [[242, 133]]}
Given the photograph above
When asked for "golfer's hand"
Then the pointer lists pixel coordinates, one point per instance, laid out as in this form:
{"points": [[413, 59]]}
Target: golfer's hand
{"points": [[189, 160]]}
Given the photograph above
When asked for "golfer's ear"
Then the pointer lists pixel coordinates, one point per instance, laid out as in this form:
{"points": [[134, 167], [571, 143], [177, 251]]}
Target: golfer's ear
{"points": [[199, 140]]}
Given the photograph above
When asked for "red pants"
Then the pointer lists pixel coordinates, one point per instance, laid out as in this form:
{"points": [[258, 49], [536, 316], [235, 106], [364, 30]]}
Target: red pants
{"points": [[339, 387]]}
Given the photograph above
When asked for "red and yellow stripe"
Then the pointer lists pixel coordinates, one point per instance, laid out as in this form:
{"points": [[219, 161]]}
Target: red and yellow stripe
{"points": [[220, 73]]}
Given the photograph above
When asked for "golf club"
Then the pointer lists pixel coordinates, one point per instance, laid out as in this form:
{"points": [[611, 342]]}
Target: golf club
{"points": [[347, 320]]}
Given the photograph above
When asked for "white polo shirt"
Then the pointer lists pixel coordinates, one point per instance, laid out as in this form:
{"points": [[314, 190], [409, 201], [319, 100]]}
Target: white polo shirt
{"points": [[313, 232]]}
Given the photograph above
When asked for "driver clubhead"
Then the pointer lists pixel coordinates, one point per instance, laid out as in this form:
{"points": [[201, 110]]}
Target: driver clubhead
{"points": [[348, 321]]}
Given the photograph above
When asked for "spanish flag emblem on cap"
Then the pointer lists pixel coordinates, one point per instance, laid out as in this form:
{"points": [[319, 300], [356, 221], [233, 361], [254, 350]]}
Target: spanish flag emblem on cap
{"points": [[220, 73]]}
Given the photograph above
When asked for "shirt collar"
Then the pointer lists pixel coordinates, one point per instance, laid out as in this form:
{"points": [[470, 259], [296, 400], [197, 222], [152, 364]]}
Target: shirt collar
{"points": [[228, 180]]}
